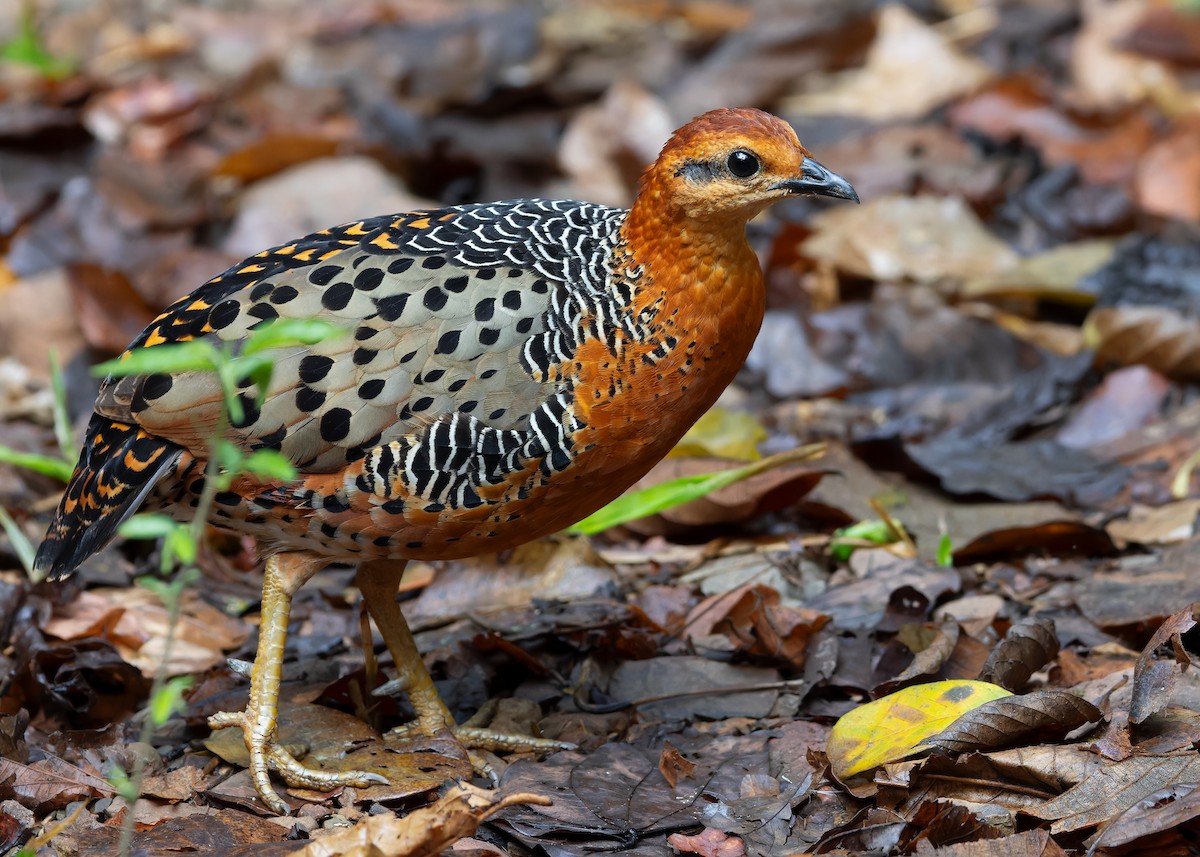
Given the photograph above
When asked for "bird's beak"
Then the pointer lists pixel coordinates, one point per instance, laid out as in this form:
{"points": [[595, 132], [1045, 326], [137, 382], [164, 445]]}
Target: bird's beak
{"points": [[816, 180]]}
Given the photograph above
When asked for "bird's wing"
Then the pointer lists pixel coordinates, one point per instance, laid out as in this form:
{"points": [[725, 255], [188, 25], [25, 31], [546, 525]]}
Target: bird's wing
{"points": [[462, 310]]}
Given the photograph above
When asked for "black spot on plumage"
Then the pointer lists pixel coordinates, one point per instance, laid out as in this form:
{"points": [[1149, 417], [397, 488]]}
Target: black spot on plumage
{"points": [[540, 287], [337, 296], [274, 440], [407, 357], [156, 386], [467, 407], [369, 279], [364, 333], [264, 312], [490, 373], [370, 389], [430, 377], [329, 531], [391, 307], [485, 309], [363, 356], [314, 367], [224, 314], [283, 294], [489, 336], [250, 411], [435, 507], [457, 385], [260, 291], [324, 275], [422, 404], [414, 545], [512, 299], [486, 273], [400, 265], [335, 424], [335, 504], [524, 325], [497, 414], [308, 399], [381, 541], [456, 284], [395, 507], [434, 298], [432, 263], [515, 272], [448, 342], [227, 498]]}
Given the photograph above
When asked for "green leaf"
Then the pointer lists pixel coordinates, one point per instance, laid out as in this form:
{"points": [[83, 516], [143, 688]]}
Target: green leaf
{"points": [[20, 542], [148, 526], [172, 358], [945, 551], [119, 779], [848, 539], [675, 492], [169, 699], [179, 546], [46, 465], [290, 331], [26, 48], [269, 464]]}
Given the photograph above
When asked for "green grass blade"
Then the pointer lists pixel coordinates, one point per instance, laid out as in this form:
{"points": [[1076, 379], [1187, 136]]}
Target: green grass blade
{"points": [[47, 465], [20, 542], [675, 492]]}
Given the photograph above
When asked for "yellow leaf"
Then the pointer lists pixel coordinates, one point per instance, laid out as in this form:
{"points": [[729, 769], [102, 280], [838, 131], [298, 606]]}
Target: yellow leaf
{"points": [[895, 726], [722, 434]]}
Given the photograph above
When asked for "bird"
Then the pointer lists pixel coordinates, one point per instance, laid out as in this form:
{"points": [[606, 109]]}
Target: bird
{"points": [[507, 369]]}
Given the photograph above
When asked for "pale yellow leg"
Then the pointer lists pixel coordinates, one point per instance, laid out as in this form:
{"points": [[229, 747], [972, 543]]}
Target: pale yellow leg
{"points": [[379, 582], [285, 574]]}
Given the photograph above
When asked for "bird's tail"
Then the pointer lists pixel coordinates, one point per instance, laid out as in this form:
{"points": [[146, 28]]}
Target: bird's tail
{"points": [[118, 466]]}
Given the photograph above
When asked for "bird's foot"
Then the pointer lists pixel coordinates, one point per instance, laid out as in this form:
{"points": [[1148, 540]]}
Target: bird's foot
{"points": [[266, 755]]}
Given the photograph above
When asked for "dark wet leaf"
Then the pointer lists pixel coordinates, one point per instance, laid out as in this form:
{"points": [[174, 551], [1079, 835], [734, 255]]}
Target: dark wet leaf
{"points": [[1154, 678]]}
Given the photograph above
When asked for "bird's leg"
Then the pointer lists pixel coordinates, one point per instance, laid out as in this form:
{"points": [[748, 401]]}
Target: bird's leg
{"points": [[285, 574], [379, 581]]}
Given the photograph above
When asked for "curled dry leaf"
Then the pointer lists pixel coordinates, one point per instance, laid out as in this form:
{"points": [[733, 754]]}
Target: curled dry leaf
{"points": [[1154, 679], [1030, 718], [1027, 647], [425, 831], [1157, 337]]}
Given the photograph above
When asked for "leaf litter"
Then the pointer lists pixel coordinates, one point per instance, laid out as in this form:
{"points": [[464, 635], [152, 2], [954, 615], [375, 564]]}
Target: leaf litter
{"points": [[997, 351]]}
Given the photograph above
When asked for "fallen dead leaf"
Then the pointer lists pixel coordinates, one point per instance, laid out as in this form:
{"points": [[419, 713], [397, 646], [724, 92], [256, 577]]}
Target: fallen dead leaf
{"points": [[1028, 646], [1042, 715], [423, 832], [910, 69]]}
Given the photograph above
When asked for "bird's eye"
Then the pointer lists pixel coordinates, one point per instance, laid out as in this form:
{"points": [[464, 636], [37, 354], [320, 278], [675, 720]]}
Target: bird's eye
{"points": [[742, 164]]}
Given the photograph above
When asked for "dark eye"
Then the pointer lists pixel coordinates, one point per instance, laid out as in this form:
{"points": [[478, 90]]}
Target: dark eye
{"points": [[742, 164]]}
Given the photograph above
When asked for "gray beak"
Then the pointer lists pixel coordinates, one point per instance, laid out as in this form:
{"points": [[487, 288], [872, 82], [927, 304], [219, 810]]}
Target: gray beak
{"points": [[816, 180]]}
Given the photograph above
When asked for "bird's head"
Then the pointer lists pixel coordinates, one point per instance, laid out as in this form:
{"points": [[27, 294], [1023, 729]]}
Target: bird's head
{"points": [[730, 164]]}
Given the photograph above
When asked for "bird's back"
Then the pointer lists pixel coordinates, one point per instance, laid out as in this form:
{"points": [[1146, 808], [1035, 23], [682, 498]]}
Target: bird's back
{"points": [[449, 398]]}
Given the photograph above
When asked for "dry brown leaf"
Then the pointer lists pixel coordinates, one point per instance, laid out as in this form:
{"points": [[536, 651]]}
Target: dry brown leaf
{"points": [[1157, 337], [48, 784], [1154, 678], [1030, 718], [423, 832], [709, 843], [1026, 648], [1167, 182], [910, 69], [922, 238], [1155, 525], [1113, 789], [1171, 807], [673, 766]]}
